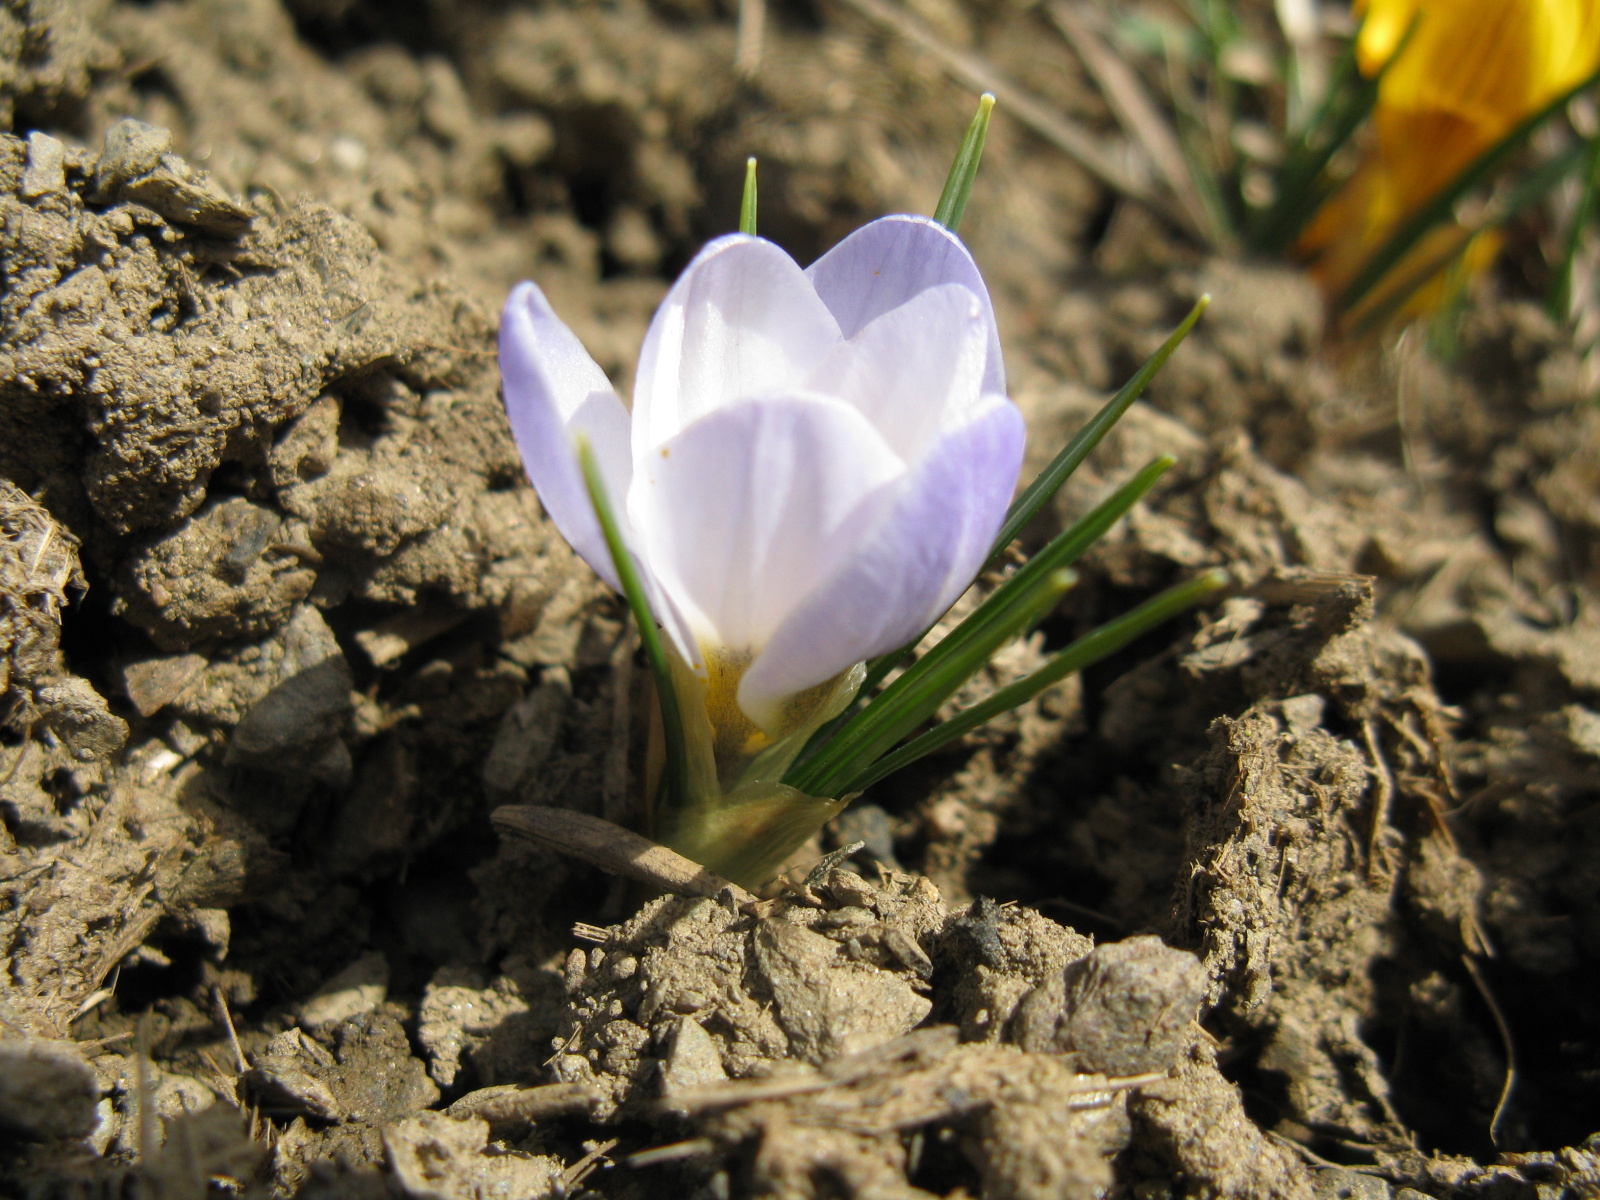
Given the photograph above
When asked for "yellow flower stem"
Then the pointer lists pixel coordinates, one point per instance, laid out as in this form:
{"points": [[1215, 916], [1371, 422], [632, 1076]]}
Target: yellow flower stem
{"points": [[1453, 242]]}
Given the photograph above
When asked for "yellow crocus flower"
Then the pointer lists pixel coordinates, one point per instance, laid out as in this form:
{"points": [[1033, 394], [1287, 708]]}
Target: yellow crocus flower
{"points": [[1470, 71]]}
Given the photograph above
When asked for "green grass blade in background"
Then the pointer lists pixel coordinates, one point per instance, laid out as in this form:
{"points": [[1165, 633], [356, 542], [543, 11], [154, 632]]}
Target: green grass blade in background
{"points": [[1560, 299], [1527, 190], [747, 203], [1300, 184]]}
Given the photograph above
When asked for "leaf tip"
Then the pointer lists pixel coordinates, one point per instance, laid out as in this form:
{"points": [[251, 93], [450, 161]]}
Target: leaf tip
{"points": [[747, 205]]}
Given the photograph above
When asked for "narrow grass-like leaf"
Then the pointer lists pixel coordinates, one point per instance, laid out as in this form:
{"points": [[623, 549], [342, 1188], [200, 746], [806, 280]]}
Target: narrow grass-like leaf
{"points": [[1440, 208], [1062, 551], [1560, 300], [1038, 493], [1300, 191], [1087, 650], [917, 694], [747, 206], [676, 777], [1022, 510], [912, 699], [958, 184]]}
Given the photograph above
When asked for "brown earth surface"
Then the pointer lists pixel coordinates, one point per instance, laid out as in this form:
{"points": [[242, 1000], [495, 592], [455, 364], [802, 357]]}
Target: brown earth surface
{"points": [[1297, 897]]}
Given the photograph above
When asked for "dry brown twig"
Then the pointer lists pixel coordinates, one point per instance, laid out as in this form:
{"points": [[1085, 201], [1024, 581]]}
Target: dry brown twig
{"points": [[1504, 1027], [499, 1105], [1383, 784], [233, 1034], [585, 1166], [751, 36], [615, 850]]}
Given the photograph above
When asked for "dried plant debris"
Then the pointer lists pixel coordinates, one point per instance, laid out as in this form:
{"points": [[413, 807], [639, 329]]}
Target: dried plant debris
{"points": [[1031, 1126], [779, 1032], [39, 576]]}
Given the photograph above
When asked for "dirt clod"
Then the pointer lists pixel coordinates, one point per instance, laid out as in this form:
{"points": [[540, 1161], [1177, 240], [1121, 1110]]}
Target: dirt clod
{"points": [[47, 1089], [1124, 1009], [436, 1157]]}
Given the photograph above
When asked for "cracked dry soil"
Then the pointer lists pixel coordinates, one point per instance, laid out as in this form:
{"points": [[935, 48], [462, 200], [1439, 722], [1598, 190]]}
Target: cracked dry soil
{"points": [[1266, 906]]}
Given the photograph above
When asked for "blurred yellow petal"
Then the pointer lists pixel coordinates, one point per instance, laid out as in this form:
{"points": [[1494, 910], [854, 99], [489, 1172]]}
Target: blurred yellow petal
{"points": [[1382, 32], [1469, 72]]}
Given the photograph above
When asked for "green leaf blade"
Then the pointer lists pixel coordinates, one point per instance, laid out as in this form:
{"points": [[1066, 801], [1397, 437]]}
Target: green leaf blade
{"points": [[1560, 297], [964, 171], [1087, 650], [747, 204], [1038, 493], [1442, 206], [676, 776], [917, 694]]}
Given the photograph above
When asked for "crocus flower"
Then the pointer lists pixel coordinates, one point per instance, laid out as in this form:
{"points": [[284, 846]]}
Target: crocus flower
{"points": [[1470, 71], [813, 470]]}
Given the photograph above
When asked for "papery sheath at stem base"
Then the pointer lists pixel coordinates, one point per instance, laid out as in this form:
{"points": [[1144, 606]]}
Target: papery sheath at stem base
{"points": [[738, 820], [748, 834]]}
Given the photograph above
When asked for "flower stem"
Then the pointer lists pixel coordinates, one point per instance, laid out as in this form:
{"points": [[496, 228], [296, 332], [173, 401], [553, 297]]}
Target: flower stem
{"points": [[676, 776], [958, 185], [747, 206]]}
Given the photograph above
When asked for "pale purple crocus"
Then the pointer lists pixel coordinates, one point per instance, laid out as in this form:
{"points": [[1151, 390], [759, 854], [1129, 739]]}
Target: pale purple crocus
{"points": [[816, 462]]}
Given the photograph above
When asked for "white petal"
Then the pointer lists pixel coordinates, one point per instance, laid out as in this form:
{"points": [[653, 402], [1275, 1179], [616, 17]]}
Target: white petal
{"points": [[741, 321], [931, 540], [915, 369], [883, 264], [554, 391], [748, 509]]}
